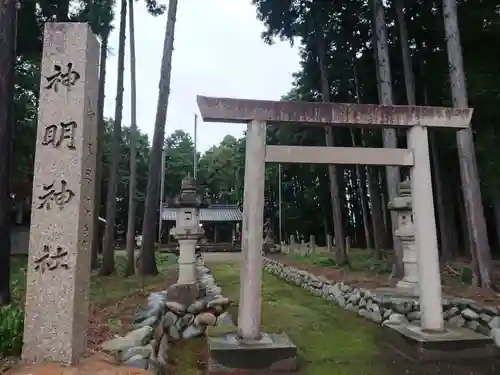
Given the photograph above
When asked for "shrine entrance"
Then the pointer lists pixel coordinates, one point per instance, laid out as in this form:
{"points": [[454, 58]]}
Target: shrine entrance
{"points": [[259, 113]]}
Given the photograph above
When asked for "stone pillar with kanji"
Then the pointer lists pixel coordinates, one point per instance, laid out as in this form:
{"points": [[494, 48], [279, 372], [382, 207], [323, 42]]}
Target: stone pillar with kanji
{"points": [[62, 211]]}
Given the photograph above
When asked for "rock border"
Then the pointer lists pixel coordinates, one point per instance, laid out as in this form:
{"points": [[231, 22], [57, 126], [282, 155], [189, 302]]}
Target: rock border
{"points": [[383, 308], [161, 322]]}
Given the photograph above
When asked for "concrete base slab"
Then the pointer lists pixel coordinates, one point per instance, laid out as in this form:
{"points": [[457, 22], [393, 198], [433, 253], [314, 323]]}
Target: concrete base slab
{"points": [[452, 344], [272, 353]]}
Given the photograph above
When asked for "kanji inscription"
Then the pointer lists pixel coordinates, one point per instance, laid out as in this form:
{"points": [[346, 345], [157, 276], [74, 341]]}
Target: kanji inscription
{"points": [[51, 260], [66, 77], [55, 135], [86, 231], [90, 114], [87, 206], [88, 174], [55, 197]]}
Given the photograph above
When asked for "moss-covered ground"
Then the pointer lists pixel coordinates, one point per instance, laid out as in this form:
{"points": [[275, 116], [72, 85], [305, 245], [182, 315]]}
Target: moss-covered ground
{"points": [[330, 341]]}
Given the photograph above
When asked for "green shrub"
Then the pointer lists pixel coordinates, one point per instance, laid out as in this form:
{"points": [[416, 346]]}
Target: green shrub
{"points": [[11, 329]]}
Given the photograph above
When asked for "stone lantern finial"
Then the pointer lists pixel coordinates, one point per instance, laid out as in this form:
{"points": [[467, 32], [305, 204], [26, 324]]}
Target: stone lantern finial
{"points": [[188, 183], [188, 196]]}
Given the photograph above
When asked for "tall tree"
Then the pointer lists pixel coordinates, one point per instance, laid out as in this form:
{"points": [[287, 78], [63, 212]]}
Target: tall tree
{"points": [[108, 259], [97, 242], [312, 22], [338, 224], [8, 16], [409, 78], [147, 260], [129, 269], [467, 157], [100, 16], [389, 135], [363, 174]]}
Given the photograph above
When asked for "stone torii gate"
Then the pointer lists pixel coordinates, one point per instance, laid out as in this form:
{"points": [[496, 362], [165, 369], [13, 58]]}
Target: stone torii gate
{"points": [[258, 113]]}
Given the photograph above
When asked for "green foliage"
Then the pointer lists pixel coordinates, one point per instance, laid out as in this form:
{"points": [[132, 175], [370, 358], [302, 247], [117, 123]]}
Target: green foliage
{"points": [[142, 148], [179, 161], [467, 275], [11, 329], [222, 170], [344, 29]]}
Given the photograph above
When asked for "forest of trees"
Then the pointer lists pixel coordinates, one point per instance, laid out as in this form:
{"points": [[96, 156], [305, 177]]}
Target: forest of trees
{"points": [[357, 51]]}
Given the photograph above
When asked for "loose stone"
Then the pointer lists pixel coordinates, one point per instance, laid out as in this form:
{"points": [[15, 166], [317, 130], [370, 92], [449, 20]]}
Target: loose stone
{"points": [[175, 307], [470, 314], [396, 318], [168, 319], [137, 361], [151, 321], [206, 319], [143, 351]]}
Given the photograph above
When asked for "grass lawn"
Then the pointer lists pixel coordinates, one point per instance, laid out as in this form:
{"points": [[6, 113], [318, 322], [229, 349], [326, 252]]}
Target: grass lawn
{"points": [[102, 288], [330, 341]]}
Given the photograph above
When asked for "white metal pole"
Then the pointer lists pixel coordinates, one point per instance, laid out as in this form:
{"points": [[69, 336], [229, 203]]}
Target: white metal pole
{"points": [[195, 156], [162, 191]]}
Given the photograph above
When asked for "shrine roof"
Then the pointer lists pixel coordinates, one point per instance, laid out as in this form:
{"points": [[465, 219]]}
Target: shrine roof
{"points": [[214, 213], [338, 114]]}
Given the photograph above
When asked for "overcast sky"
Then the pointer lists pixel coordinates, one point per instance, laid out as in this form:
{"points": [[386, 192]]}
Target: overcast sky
{"points": [[218, 52]]}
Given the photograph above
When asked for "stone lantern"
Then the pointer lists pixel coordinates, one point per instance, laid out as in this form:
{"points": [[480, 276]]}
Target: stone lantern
{"points": [[268, 244], [406, 234], [187, 230]]}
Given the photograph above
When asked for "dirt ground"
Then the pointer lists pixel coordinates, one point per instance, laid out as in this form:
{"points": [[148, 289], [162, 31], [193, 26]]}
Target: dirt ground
{"points": [[114, 316]]}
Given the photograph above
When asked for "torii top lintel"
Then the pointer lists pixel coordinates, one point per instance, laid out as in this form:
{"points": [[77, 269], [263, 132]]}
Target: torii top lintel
{"points": [[338, 114]]}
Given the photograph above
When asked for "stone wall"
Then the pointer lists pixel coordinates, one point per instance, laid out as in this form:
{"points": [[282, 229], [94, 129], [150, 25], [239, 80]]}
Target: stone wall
{"points": [[383, 308], [161, 322]]}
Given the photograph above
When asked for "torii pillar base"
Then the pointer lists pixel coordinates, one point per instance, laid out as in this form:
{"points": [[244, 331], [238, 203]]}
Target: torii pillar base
{"points": [[273, 353], [451, 344]]}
